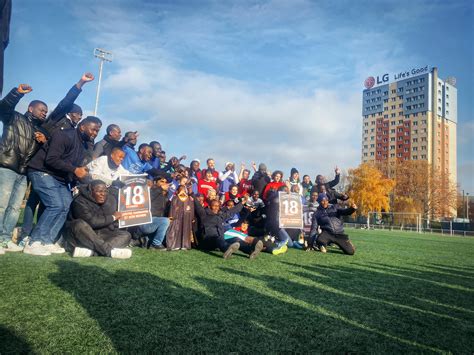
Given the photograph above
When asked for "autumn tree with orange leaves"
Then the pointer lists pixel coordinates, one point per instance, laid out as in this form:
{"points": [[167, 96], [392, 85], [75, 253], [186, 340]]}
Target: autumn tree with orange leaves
{"points": [[370, 189], [422, 189]]}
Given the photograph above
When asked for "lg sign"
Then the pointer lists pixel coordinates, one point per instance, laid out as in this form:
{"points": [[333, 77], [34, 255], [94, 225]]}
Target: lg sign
{"points": [[371, 81]]}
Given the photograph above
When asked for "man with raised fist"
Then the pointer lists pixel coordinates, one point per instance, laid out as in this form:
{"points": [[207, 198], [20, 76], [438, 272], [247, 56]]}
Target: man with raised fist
{"points": [[20, 140], [67, 114], [51, 179]]}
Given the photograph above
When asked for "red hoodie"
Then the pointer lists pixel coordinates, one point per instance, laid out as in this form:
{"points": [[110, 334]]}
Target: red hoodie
{"points": [[272, 186]]}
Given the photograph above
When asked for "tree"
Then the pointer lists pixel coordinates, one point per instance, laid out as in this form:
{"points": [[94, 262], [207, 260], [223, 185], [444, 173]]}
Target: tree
{"points": [[420, 188], [370, 189]]}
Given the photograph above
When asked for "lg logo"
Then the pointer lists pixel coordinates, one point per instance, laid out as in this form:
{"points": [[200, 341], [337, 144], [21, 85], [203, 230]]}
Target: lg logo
{"points": [[371, 81]]}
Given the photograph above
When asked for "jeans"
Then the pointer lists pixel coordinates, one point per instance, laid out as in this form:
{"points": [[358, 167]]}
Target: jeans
{"points": [[156, 230], [284, 237], [12, 191], [56, 198], [29, 213]]}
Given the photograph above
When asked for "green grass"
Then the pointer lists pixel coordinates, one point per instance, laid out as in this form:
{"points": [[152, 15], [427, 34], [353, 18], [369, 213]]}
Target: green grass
{"points": [[401, 292]]}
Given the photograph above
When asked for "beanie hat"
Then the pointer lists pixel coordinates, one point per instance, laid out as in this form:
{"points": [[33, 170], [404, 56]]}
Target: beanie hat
{"points": [[322, 196], [75, 109], [293, 170]]}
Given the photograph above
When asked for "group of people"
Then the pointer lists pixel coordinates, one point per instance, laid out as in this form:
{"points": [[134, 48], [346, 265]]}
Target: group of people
{"points": [[75, 184]]}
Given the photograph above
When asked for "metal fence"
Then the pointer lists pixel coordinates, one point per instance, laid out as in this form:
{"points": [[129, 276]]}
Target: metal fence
{"points": [[440, 231]]}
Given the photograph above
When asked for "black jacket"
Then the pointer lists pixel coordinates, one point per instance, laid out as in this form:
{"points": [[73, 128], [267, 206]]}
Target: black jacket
{"points": [[211, 223], [105, 146], [259, 181], [17, 144], [66, 151], [159, 203], [57, 119], [329, 219], [97, 216]]}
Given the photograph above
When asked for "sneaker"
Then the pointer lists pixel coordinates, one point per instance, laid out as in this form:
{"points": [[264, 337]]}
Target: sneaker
{"points": [[13, 247], [81, 253], [257, 250], [24, 241], [280, 250], [322, 249], [160, 247], [36, 249], [230, 250], [2, 250], [55, 248], [121, 253]]}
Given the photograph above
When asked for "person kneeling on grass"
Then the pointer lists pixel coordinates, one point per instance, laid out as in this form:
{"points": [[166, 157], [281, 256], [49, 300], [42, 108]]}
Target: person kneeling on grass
{"points": [[212, 221], [327, 220], [249, 245], [92, 226]]}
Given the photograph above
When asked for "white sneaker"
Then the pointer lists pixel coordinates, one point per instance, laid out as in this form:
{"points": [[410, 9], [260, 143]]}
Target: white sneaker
{"points": [[13, 247], [81, 253], [121, 253], [2, 251], [36, 249], [55, 249]]}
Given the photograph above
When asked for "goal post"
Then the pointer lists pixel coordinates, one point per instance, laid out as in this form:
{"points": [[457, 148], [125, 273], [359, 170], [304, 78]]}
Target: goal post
{"points": [[410, 221]]}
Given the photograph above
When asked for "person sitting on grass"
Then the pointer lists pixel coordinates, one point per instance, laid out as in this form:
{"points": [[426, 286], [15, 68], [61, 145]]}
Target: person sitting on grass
{"points": [[233, 220], [248, 245], [327, 220], [92, 226], [212, 226], [159, 206], [268, 244]]}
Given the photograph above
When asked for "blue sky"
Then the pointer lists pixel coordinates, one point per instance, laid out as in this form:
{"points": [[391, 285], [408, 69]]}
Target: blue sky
{"points": [[273, 81]]}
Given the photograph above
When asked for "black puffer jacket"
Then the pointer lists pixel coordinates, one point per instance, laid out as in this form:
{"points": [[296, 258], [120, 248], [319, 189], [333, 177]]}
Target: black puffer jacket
{"points": [[97, 216], [213, 224], [328, 219], [18, 143]]}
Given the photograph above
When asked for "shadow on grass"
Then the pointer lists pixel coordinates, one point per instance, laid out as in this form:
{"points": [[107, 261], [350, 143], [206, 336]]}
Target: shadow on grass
{"points": [[405, 311], [12, 343], [141, 312]]}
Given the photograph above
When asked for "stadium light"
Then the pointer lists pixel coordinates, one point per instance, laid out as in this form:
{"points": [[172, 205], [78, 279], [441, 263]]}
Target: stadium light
{"points": [[104, 56]]}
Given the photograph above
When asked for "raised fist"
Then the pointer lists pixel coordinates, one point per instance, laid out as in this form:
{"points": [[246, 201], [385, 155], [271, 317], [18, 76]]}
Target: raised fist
{"points": [[24, 89], [337, 170], [354, 206], [87, 77]]}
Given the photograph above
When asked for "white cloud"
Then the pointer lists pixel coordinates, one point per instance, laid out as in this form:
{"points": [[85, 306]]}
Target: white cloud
{"points": [[201, 113]]}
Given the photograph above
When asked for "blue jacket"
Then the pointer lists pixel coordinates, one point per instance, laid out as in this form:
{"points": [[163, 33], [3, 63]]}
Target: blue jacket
{"points": [[133, 163]]}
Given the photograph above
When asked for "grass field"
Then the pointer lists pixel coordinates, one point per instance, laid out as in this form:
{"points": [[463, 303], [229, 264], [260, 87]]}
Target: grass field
{"points": [[401, 292]]}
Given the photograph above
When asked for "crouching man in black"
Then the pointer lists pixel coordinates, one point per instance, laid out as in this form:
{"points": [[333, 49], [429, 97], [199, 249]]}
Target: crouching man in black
{"points": [[92, 226], [212, 220], [327, 222]]}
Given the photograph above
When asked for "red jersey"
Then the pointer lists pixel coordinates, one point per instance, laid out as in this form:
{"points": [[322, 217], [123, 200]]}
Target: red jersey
{"points": [[204, 186], [245, 187]]}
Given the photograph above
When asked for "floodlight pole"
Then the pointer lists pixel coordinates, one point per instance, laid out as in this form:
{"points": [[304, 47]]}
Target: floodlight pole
{"points": [[104, 56]]}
